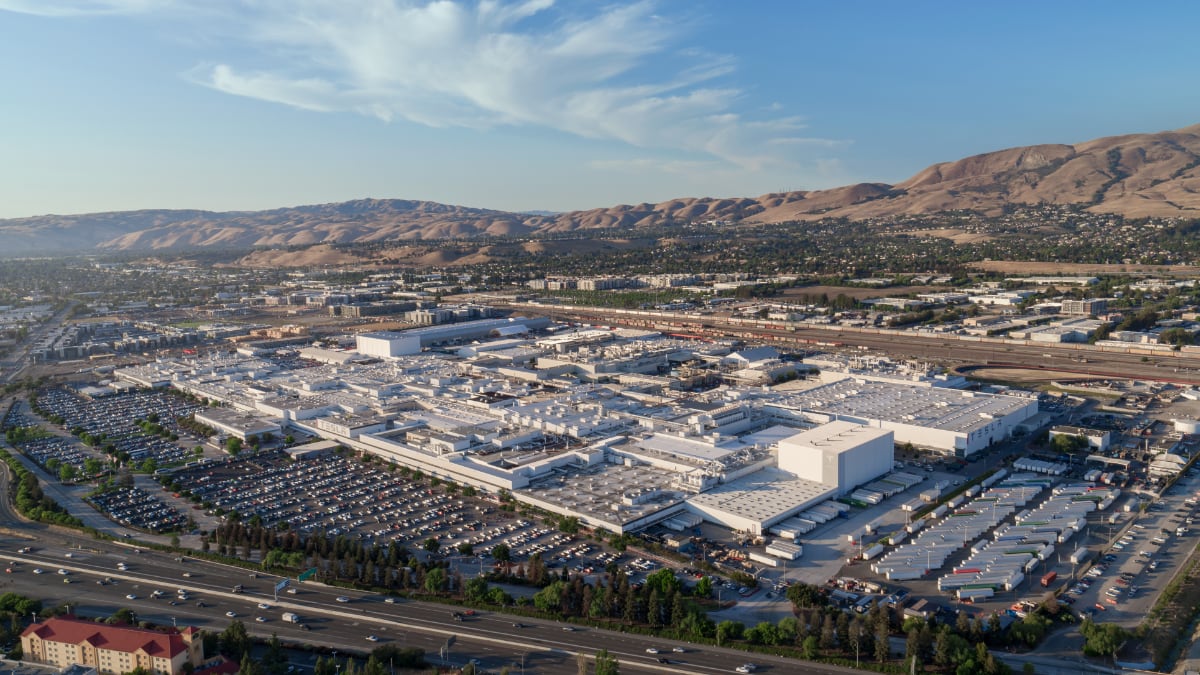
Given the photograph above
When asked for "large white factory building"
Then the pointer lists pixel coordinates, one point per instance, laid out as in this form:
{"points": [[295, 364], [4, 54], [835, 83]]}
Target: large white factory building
{"points": [[842, 455]]}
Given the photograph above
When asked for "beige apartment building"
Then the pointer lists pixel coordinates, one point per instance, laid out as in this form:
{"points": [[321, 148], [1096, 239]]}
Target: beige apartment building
{"points": [[67, 641]]}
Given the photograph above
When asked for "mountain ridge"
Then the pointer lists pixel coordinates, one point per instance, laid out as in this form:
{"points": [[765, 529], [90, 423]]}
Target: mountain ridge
{"points": [[1134, 175]]}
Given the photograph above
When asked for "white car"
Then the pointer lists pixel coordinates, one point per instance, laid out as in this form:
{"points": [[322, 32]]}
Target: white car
{"points": [[651, 650], [63, 572], [372, 638], [38, 570], [131, 596], [263, 605], [678, 650], [390, 601], [260, 619], [342, 598], [231, 614]]}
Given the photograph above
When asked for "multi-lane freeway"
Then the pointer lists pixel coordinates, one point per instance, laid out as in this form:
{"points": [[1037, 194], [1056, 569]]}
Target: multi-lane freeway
{"points": [[494, 638]]}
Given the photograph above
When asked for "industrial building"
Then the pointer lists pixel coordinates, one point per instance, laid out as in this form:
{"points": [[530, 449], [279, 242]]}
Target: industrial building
{"points": [[842, 455], [756, 502], [390, 344], [603, 428], [959, 422]]}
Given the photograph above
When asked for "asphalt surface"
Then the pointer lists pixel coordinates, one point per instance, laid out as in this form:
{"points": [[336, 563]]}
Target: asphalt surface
{"points": [[490, 637]]}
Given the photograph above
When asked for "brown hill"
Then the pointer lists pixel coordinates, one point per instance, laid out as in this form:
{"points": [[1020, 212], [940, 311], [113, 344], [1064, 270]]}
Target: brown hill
{"points": [[1136, 175]]}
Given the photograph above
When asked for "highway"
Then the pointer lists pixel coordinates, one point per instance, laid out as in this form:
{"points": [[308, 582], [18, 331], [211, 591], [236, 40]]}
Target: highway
{"points": [[494, 638]]}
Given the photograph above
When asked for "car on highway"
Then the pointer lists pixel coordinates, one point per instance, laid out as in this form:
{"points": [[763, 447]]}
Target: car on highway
{"points": [[260, 619], [63, 572], [390, 600], [231, 614], [263, 605], [187, 574], [38, 570], [342, 598], [678, 650], [131, 596], [372, 638], [651, 650], [569, 629]]}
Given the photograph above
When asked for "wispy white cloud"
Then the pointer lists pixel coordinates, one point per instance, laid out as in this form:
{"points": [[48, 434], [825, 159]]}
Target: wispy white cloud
{"points": [[65, 8], [596, 71]]}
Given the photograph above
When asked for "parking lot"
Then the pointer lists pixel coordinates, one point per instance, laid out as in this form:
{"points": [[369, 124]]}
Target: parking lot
{"points": [[339, 496], [115, 418], [134, 507]]}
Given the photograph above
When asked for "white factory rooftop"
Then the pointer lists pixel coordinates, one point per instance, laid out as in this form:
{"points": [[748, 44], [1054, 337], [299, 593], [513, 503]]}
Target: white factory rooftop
{"points": [[606, 432], [755, 502], [963, 422]]}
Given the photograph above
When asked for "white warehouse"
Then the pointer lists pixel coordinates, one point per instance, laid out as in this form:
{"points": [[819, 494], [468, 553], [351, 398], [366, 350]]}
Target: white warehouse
{"points": [[962, 422], [840, 454], [387, 344]]}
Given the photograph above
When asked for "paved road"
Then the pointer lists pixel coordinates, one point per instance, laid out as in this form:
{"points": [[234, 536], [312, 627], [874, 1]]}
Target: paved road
{"points": [[491, 637]]}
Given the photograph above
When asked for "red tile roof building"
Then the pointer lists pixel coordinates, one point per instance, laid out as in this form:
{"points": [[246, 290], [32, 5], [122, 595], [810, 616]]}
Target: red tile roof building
{"points": [[63, 641]]}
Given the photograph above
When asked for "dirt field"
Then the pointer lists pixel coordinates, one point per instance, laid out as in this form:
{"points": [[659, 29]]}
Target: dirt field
{"points": [[956, 236]]}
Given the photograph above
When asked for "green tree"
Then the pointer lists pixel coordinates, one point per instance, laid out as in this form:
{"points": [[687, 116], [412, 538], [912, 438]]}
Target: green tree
{"points": [[810, 647], [248, 666], [233, 445], [499, 596], [476, 589], [431, 545], [664, 581], [704, 588], [729, 630], [1103, 639], [435, 580], [806, 595], [234, 639], [607, 664], [549, 599], [274, 660]]}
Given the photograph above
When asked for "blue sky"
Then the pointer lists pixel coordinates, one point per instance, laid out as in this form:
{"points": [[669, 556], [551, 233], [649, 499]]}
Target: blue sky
{"points": [[227, 104]]}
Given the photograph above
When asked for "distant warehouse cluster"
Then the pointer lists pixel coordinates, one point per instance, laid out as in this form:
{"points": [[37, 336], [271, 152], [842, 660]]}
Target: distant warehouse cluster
{"points": [[621, 429]]}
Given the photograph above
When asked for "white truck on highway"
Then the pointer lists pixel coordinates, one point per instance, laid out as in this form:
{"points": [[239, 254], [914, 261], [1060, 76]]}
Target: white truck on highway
{"points": [[291, 617]]}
